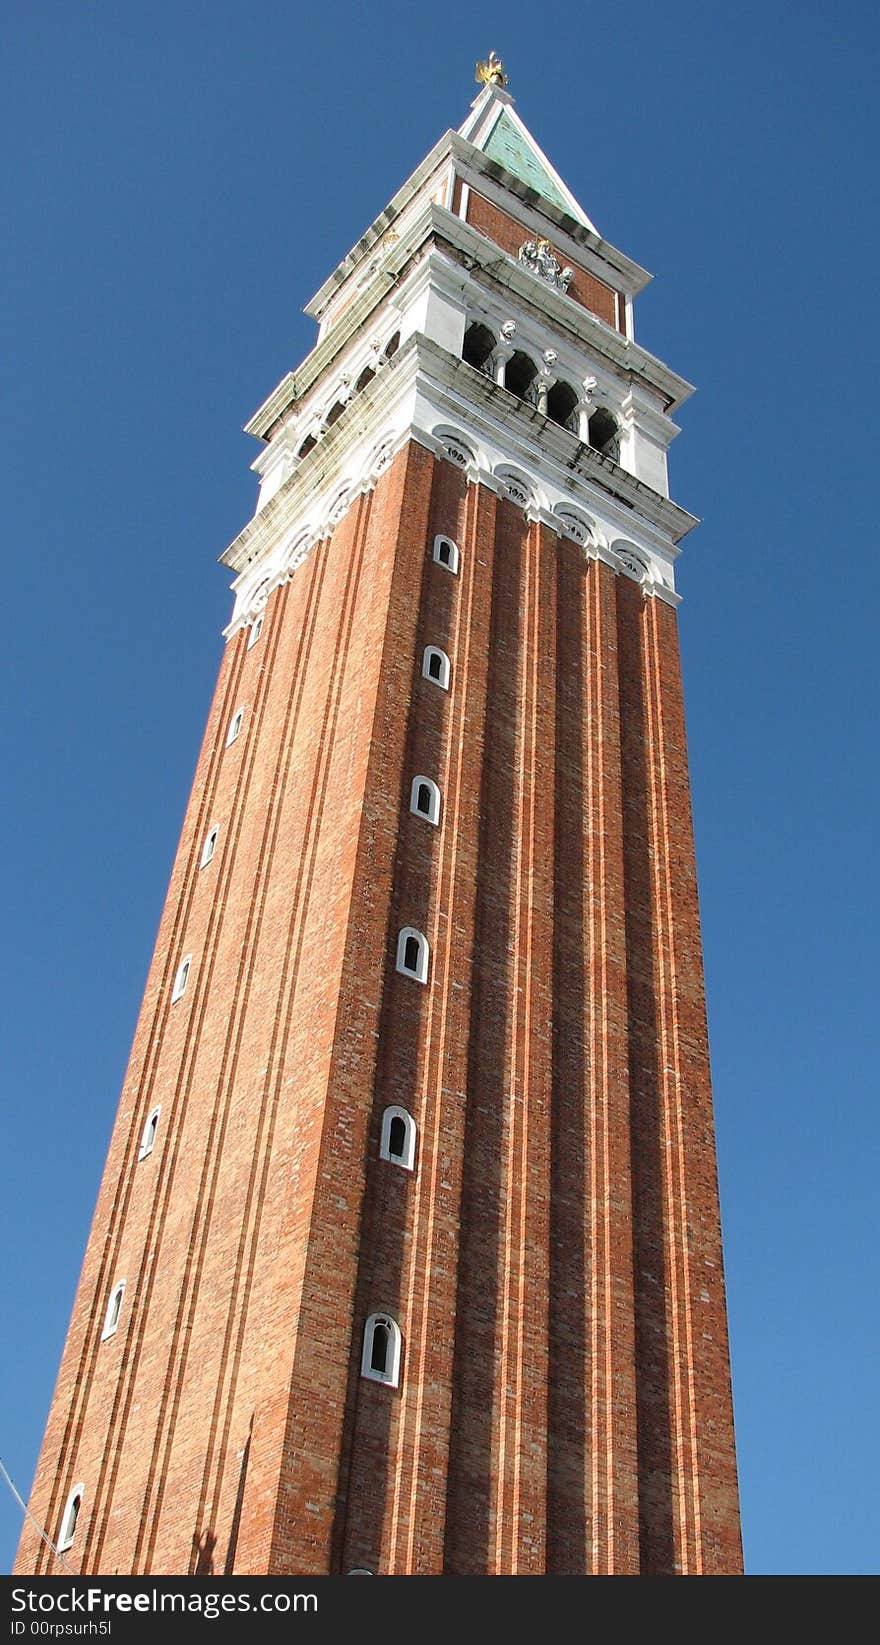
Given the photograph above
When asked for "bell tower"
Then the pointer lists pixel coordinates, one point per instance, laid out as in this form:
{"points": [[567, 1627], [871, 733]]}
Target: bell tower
{"points": [[407, 1257]]}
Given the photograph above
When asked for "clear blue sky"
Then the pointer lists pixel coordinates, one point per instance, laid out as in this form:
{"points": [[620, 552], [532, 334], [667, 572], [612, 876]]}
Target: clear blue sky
{"points": [[178, 179]]}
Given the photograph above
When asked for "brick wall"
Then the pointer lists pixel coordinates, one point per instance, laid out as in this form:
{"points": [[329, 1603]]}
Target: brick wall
{"points": [[585, 288], [554, 1260]]}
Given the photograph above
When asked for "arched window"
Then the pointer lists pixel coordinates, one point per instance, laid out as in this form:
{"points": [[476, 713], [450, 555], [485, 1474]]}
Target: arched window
{"points": [[478, 346], [210, 845], [391, 346], [380, 1360], [256, 631], [445, 552], [519, 376], [234, 726], [365, 377], [398, 1140], [413, 954], [602, 433], [114, 1309], [360, 1570], [181, 979], [148, 1134], [435, 666], [424, 799], [334, 413], [69, 1518], [562, 403], [308, 445]]}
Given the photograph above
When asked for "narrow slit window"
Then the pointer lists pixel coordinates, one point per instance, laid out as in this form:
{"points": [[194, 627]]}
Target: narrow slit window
{"points": [[424, 799], [256, 631], [70, 1517], [148, 1135], [446, 553], [436, 666], [380, 1360], [181, 979], [234, 726], [114, 1309], [397, 1143], [209, 846], [413, 954]]}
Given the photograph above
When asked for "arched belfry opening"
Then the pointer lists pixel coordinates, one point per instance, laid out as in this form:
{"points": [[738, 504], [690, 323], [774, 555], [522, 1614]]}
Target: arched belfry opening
{"points": [[479, 345], [519, 376], [562, 403], [603, 433]]}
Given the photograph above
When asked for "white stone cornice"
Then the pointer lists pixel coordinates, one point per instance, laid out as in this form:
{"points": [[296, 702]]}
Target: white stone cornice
{"points": [[544, 444], [488, 263], [427, 395]]}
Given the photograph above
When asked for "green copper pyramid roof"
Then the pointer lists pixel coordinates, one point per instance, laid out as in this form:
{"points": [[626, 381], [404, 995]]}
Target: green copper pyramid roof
{"points": [[509, 148]]}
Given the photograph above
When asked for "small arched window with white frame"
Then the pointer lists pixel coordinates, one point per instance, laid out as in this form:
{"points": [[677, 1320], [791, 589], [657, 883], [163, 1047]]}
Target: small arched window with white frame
{"points": [[445, 553], [413, 954], [210, 845], [69, 1517], [424, 799], [397, 1142], [114, 1309], [181, 978], [234, 726], [436, 666], [148, 1134], [380, 1360], [256, 630]]}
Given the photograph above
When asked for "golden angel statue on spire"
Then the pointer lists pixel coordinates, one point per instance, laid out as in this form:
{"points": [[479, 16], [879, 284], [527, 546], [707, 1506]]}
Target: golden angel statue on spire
{"points": [[491, 73]]}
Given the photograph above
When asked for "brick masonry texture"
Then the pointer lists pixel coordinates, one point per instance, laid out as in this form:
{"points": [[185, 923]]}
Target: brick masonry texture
{"points": [[554, 1260], [509, 234]]}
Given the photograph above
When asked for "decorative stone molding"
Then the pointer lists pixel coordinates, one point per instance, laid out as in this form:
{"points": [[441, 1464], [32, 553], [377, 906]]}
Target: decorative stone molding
{"points": [[579, 527], [456, 447], [382, 459], [633, 563], [339, 506], [537, 257], [515, 486], [429, 396], [252, 588]]}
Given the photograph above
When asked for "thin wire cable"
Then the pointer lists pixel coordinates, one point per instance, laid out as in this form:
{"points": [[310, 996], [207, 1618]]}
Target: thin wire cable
{"points": [[28, 1515]]}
